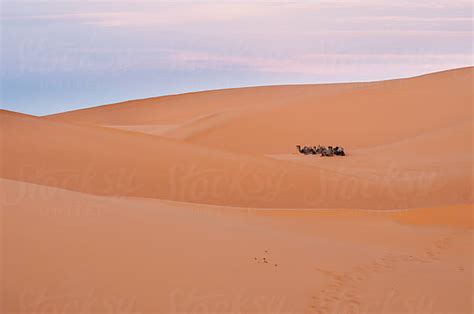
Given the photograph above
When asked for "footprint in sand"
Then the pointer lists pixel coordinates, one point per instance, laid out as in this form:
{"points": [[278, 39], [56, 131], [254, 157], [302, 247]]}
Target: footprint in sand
{"points": [[265, 260]]}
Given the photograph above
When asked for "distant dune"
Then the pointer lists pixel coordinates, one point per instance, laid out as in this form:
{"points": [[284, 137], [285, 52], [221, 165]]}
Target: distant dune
{"points": [[271, 120], [200, 203]]}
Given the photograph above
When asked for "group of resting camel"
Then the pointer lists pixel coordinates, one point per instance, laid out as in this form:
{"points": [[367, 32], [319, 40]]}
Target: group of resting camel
{"points": [[321, 150]]}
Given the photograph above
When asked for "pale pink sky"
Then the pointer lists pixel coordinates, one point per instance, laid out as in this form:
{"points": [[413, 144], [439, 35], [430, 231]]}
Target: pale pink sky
{"points": [[70, 54]]}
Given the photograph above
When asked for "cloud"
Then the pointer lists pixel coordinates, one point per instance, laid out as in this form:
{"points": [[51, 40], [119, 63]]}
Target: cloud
{"points": [[170, 14], [315, 63]]}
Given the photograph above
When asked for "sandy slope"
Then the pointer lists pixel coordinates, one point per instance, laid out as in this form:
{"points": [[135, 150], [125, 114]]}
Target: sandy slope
{"points": [[185, 107], [272, 120], [117, 255], [377, 114], [110, 162], [435, 162], [183, 130], [114, 162]]}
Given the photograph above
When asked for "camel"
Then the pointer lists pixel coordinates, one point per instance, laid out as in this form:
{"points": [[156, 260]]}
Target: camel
{"points": [[305, 150], [339, 151], [327, 152], [318, 149]]}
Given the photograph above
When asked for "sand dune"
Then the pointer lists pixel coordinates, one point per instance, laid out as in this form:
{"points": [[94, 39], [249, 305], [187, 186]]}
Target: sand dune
{"points": [[105, 161], [273, 119], [118, 255], [373, 115], [111, 162], [185, 107], [198, 203], [68, 151], [435, 162]]}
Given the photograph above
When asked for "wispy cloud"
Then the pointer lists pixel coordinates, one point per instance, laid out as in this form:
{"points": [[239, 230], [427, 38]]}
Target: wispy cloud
{"points": [[152, 14], [315, 63], [190, 13]]}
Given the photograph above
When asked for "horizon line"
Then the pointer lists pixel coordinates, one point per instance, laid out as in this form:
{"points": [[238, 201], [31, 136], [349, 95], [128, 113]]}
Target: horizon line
{"points": [[239, 87]]}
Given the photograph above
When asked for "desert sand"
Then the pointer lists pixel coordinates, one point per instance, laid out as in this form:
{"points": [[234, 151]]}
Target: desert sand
{"points": [[199, 203]]}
